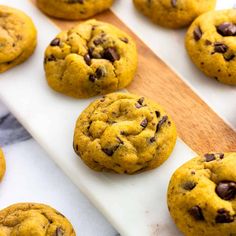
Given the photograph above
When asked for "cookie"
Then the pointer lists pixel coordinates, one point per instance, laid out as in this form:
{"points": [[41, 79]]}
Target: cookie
{"points": [[2, 165], [90, 59], [17, 37], [211, 44], [202, 195], [73, 9], [124, 133], [173, 13], [33, 219]]}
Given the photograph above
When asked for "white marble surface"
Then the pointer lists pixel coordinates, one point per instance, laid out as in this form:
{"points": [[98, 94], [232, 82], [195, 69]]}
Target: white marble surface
{"points": [[33, 177]]}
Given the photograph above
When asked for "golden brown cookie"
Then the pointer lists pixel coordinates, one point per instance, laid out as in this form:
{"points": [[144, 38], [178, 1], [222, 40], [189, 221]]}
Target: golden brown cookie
{"points": [[73, 9], [33, 219], [90, 59], [18, 37], [202, 195], [124, 133], [2, 164], [211, 44], [174, 13]]}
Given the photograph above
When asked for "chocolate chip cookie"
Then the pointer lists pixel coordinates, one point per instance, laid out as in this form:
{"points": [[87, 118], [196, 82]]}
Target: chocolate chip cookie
{"points": [[31, 219], [202, 195], [173, 13], [2, 165], [90, 59], [17, 37], [73, 9], [211, 44], [124, 133]]}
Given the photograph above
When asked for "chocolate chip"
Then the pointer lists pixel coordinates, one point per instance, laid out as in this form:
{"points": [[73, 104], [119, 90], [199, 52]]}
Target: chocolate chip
{"points": [[223, 216], [76, 1], [189, 185], [208, 42], [209, 157], [157, 114], [55, 42], [221, 155], [100, 72], [229, 57], [226, 29], [90, 52], [161, 122], [226, 190], [97, 41], [111, 54], [174, 3], [125, 40], [59, 232], [141, 100], [220, 47], [92, 78], [152, 139], [87, 59], [197, 33], [110, 151], [50, 58], [139, 103], [196, 213], [144, 123]]}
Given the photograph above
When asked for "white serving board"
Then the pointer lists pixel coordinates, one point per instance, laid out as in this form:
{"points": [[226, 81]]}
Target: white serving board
{"points": [[135, 205]]}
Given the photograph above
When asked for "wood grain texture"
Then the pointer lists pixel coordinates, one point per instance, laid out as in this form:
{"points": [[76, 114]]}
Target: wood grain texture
{"points": [[198, 125]]}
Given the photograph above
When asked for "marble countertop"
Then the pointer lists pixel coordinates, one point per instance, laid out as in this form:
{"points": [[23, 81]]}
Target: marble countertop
{"points": [[32, 176]]}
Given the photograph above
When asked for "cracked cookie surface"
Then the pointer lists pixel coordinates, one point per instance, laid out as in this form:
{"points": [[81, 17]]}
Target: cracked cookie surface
{"points": [[124, 133], [2, 164], [211, 44], [202, 195], [33, 219], [173, 13], [90, 59], [18, 37], [73, 9]]}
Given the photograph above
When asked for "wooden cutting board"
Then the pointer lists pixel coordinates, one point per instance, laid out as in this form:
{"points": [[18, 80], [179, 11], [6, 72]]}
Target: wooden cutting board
{"points": [[198, 125]]}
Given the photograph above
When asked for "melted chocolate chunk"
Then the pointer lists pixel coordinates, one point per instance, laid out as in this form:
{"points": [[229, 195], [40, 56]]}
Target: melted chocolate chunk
{"points": [[189, 185], [55, 42], [174, 3], [100, 72], [144, 123], [197, 33], [139, 103], [161, 122], [209, 157], [220, 47], [110, 151], [92, 78], [97, 41], [221, 155], [229, 57], [226, 29], [196, 213], [158, 114], [111, 54], [226, 190], [76, 1], [125, 40], [152, 139], [223, 216], [87, 59]]}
